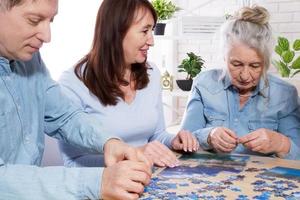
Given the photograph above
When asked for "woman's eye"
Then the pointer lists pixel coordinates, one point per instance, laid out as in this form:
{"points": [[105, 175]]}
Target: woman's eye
{"points": [[255, 66], [237, 64]]}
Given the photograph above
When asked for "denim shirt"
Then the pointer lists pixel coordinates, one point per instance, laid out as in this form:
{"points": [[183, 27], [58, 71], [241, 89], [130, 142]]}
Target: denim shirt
{"points": [[31, 105], [214, 102]]}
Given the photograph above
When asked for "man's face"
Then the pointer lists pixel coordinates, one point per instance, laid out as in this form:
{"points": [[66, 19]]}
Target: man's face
{"points": [[25, 27]]}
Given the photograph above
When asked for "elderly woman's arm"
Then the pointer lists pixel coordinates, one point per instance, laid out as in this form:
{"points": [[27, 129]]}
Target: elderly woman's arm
{"points": [[289, 126], [194, 120], [285, 141]]}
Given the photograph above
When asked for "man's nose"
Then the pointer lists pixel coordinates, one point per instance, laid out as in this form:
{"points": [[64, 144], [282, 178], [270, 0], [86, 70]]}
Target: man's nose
{"points": [[44, 33]]}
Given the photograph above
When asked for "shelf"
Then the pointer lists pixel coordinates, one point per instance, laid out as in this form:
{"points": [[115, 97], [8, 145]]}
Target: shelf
{"points": [[182, 37], [176, 93]]}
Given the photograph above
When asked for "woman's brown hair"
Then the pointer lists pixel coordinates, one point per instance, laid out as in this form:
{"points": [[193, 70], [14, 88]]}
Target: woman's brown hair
{"points": [[102, 69]]}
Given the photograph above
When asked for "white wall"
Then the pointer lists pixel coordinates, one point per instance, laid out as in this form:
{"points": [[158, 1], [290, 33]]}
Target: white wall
{"points": [[285, 21], [72, 33]]}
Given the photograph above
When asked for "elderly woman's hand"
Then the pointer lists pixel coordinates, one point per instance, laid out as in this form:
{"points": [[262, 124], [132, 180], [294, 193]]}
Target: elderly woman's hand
{"points": [[159, 154], [185, 141], [266, 141], [222, 139]]}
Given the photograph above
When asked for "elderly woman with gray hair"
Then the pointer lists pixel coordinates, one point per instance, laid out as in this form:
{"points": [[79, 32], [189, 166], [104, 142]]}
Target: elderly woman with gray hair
{"points": [[242, 109]]}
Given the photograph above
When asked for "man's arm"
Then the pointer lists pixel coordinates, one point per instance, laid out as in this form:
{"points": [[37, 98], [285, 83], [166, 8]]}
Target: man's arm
{"points": [[32, 182]]}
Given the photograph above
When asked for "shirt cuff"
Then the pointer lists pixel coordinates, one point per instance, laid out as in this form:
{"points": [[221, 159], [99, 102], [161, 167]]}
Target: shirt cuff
{"points": [[294, 151], [202, 135], [90, 180], [168, 140]]}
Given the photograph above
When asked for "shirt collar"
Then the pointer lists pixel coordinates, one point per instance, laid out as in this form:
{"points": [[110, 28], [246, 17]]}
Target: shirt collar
{"points": [[5, 65], [226, 81], [261, 89]]}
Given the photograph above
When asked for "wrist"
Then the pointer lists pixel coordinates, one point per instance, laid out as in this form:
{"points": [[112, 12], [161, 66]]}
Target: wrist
{"points": [[209, 140], [111, 142], [209, 137], [284, 146]]}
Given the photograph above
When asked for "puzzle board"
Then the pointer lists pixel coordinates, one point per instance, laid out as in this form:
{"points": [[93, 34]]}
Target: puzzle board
{"points": [[218, 177]]}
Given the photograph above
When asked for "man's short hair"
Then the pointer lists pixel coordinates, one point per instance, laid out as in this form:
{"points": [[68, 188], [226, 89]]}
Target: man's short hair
{"points": [[8, 4]]}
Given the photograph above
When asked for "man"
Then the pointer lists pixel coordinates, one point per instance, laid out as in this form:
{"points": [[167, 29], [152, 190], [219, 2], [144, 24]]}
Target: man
{"points": [[31, 104]]}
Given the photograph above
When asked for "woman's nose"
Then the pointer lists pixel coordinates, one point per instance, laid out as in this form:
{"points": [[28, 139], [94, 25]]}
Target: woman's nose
{"points": [[245, 74]]}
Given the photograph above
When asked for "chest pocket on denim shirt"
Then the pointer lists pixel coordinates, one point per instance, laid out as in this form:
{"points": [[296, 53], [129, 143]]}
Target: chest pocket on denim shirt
{"points": [[214, 118], [263, 123]]}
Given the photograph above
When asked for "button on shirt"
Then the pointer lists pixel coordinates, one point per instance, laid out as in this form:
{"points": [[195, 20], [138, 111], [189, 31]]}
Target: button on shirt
{"points": [[31, 105], [214, 102]]}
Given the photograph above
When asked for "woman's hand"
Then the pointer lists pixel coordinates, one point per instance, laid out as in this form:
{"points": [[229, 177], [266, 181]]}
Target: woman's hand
{"points": [[185, 141], [222, 140], [266, 141], [116, 150], [160, 155]]}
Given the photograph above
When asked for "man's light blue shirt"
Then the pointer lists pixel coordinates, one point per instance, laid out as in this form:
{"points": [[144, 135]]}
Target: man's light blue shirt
{"points": [[214, 102], [31, 105]]}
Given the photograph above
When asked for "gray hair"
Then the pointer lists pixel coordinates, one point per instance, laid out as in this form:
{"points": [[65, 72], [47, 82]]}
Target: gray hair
{"points": [[250, 26]]}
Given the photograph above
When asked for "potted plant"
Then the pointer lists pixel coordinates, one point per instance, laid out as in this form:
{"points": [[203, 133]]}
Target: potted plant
{"points": [[287, 65], [192, 66], [165, 9]]}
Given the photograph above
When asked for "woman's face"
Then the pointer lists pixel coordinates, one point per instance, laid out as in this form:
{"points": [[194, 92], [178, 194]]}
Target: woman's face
{"points": [[245, 67], [138, 38]]}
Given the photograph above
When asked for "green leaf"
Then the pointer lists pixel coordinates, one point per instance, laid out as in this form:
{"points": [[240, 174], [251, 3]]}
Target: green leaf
{"points": [[191, 65], [296, 63], [278, 50], [282, 68], [283, 43], [288, 56], [165, 9], [296, 45]]}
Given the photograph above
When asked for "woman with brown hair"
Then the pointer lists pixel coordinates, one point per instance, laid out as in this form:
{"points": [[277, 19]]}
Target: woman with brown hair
{"points": [[115, 83]]}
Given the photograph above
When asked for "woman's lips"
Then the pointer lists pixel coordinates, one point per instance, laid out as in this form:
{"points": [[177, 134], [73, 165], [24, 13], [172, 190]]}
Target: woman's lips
{"points": [[244, 83]]}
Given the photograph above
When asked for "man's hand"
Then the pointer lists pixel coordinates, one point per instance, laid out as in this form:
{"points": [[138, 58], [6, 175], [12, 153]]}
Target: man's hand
{"points": [[115, 150], [266, 141], [125, 180], [159, 154], [185, 141], [223, 140]]}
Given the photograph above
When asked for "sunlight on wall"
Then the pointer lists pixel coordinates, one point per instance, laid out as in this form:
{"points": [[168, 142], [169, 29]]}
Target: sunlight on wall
{"points": [[72, 33]]}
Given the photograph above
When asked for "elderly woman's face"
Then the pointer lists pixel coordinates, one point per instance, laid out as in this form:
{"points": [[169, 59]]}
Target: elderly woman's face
{"points": [[245, 67]]}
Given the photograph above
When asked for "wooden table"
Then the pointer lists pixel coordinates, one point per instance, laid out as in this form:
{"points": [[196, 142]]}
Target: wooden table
{"points": [[217, 177]]}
